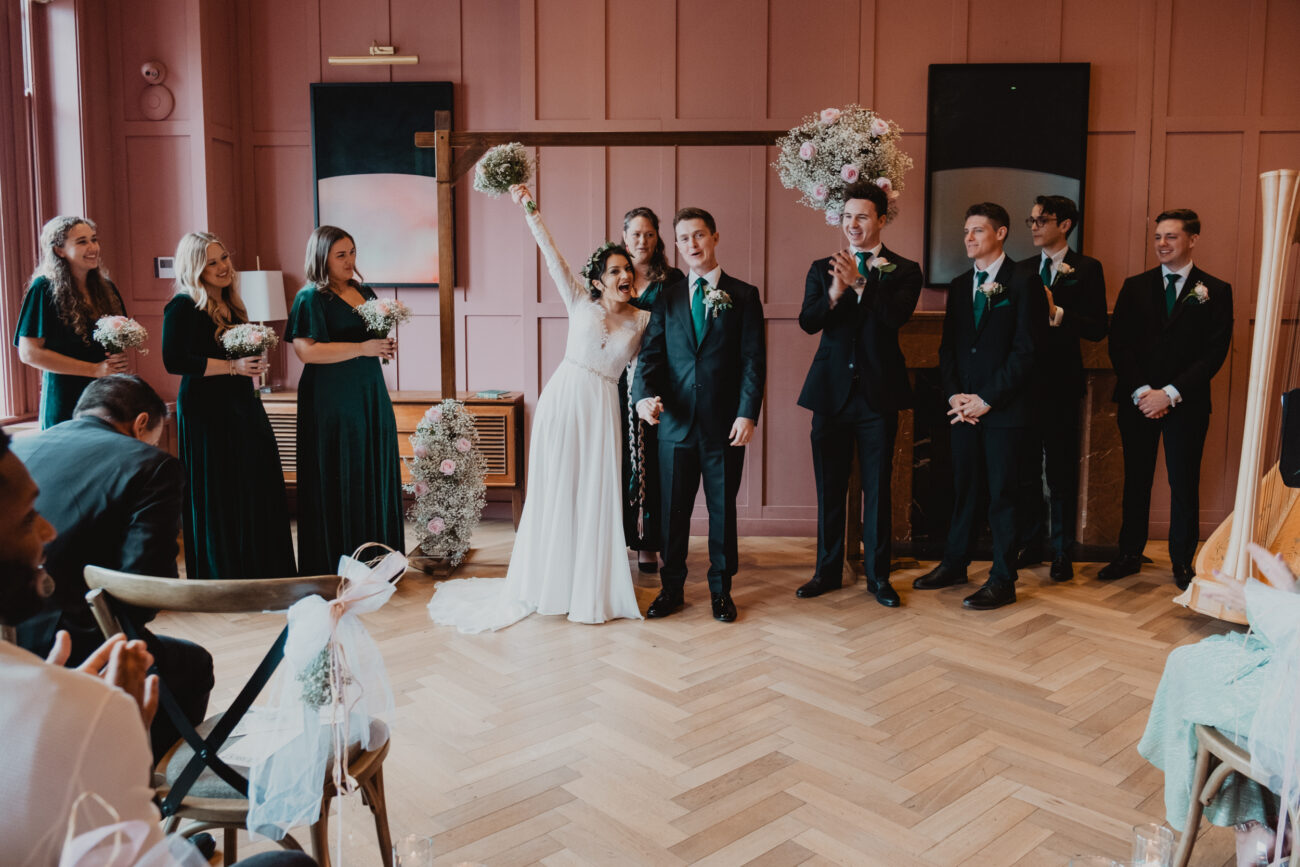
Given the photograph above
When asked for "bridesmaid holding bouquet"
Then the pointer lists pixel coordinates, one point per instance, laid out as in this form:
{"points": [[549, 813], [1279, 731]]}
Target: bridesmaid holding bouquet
{"points": [[349, 472], [236, 514], [68, 294]]}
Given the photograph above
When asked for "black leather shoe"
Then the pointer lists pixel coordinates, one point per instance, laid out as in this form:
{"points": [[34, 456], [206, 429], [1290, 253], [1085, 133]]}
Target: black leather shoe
{"points": [[938, 577], [1062, 569], [1183, 575], [816, 587], [885, 593], [649, 567], [664, 604], [723, 608], [206, 844], [1126, 565], [1027, 557], [994, 594]]}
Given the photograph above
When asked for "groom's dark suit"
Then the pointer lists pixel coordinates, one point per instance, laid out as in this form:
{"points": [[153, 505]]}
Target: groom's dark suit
{"points": [[995, 361], [704, 389], [1184, 350], [855, 387]]}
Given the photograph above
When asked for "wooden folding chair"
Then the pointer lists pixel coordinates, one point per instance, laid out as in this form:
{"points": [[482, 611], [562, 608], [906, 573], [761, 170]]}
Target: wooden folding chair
{"points": [[196, 784], [1217, 757]]}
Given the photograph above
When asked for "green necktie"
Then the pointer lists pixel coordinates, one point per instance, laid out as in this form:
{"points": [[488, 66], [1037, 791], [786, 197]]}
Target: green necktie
{"points": [[697, 309], [1171, 294], [981, 300], [1046, 272], [862, 269]]}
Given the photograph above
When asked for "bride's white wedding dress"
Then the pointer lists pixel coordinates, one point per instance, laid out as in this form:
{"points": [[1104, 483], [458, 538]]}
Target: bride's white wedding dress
{"points": [[570, 556]]}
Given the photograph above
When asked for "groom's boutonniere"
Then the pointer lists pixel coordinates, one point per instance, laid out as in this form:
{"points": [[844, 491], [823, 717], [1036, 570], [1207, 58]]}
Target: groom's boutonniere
{"points": [[1200, 294], [992, 290], [881, 264], [1063, 272], [716, 300]]}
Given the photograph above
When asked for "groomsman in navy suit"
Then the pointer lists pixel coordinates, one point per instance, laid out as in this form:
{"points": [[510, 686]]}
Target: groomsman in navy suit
{"points": [[1076, 309], [991, 330], [858, 299], [1169, 336], [703, 363]]}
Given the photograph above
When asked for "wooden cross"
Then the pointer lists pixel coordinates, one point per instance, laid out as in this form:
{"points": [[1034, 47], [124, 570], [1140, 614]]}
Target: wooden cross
{"points": [[472, 146]]}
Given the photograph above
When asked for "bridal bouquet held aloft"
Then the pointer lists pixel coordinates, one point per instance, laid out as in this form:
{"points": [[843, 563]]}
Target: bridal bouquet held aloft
{"points": [[503, 167], [120, 333], [447, 473], [248, 340], [382, 314], [837, 147]]}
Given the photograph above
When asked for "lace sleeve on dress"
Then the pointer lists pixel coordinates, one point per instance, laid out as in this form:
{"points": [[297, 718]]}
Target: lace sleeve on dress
{"points": [[570, 289]]}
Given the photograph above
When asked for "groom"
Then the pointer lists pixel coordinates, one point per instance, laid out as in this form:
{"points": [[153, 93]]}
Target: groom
{"points": [[701, 373]]}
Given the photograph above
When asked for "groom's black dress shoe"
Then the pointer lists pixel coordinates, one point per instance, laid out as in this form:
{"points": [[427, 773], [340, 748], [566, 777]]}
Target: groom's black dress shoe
{"points": [[664, 604], [940, 576], [885, 593], [1062, 569], [816, 587], [1126, 565], [723, 608], [994, 594], [1183, 575]]}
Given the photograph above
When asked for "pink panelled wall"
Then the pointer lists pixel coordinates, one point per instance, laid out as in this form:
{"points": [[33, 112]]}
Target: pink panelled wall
{"points": [[1190, 100]]}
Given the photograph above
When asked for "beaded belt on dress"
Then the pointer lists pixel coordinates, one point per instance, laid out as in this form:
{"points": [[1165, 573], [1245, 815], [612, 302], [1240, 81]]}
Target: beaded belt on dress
{"points": [[590, 369]]}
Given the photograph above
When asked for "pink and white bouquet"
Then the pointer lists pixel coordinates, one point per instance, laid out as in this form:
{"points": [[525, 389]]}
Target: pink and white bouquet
{"points": [[381, 314], [120, 333], [838, 147], [447, 479], [248, 339]]}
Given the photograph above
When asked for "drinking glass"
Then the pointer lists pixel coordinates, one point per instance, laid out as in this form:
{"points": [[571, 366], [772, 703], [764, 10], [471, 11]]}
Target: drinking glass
{"points": [[413, 850], [1153, 845]]}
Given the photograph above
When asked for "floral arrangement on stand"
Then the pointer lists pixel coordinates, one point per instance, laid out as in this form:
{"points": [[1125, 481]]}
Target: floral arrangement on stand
{"points": [[120, 333], [837, 147], [501, 168], [381, 315], [447, 473], [248, 339]]}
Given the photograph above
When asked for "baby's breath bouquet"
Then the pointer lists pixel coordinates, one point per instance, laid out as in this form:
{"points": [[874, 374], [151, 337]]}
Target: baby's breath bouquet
{"points": [[838, 147], [248, 339], [120, 333], [501, 168], [381, 314], [447, 479]]}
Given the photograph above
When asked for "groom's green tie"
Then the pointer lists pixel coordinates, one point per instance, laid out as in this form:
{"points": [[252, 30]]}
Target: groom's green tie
{"points": [[862, 269], [1171, 294], [697, 309], [981, 300], [1046, 272]]}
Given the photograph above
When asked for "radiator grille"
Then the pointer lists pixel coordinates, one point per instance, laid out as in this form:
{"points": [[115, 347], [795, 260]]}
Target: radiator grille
{"points": [[285, 428], [492, 443]]}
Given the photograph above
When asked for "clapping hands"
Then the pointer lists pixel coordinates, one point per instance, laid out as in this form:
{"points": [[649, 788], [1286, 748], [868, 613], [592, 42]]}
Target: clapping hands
{"points": [[120, 663]]}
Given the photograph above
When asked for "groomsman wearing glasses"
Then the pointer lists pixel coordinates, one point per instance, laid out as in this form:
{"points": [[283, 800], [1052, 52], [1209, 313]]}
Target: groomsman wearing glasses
{"points": [[995, 316], [1169, 336], [1075, 289], [858, 299]]}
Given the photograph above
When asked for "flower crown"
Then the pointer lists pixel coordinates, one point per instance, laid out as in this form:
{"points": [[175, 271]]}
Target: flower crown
{"points": [[593, 270]]}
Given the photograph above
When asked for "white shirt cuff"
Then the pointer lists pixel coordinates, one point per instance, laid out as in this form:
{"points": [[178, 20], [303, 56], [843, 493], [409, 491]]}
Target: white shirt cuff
{"points": [[1055, 319], [1139, 391], [1174, 397]]}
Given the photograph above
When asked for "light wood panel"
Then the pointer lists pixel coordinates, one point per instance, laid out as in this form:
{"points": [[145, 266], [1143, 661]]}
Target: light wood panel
{"points": [[826, 731]]}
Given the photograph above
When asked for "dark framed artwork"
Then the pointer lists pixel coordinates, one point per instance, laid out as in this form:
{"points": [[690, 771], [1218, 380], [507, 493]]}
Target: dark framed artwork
{"points": [[1005, 133], [373, 182]]}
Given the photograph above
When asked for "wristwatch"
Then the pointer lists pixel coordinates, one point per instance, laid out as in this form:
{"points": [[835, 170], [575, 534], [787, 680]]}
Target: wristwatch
{"points": [[860, 283]]}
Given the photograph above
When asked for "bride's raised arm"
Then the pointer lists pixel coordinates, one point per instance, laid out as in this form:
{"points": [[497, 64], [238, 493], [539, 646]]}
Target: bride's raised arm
{"points": [[571, 288]]}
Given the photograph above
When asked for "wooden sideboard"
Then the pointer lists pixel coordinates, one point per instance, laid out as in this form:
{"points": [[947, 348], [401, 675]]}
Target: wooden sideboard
{"points": [[500, 423]]}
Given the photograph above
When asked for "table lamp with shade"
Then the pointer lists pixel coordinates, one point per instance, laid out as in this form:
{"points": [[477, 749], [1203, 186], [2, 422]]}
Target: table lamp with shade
{"points": [[263, 296]]}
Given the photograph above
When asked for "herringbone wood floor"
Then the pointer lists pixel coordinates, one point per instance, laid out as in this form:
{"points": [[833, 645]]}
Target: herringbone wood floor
{"points": [[819, 731]]}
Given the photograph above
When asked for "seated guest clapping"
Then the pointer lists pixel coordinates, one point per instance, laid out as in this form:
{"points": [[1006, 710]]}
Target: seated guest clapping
{"points": [[115, 500]]}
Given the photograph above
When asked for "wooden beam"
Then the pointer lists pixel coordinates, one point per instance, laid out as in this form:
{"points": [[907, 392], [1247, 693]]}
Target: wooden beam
{"points": [[446, 251]]}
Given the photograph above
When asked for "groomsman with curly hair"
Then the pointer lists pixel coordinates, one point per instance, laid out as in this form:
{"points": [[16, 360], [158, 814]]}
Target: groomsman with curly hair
{"points": [[1169, 335]]}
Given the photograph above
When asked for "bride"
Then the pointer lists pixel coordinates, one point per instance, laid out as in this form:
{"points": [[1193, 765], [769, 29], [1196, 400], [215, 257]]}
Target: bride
{"points": [[569, 556]]}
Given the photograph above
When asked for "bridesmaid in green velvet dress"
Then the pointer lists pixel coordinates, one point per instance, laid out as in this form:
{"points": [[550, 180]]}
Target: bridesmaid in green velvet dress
{"points": [[236, 515], [67, 294], [640, 441], [349, 472]]}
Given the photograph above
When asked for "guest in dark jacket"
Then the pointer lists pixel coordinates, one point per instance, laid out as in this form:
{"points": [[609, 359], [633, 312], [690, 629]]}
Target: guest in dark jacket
{"points": [[115, 500]]}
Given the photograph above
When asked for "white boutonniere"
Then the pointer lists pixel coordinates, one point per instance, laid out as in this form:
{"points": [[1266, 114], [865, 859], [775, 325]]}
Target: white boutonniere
{"points": [[881, 264], [1200, 294], [1063, 271], [716, 300], [992, 290]]}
